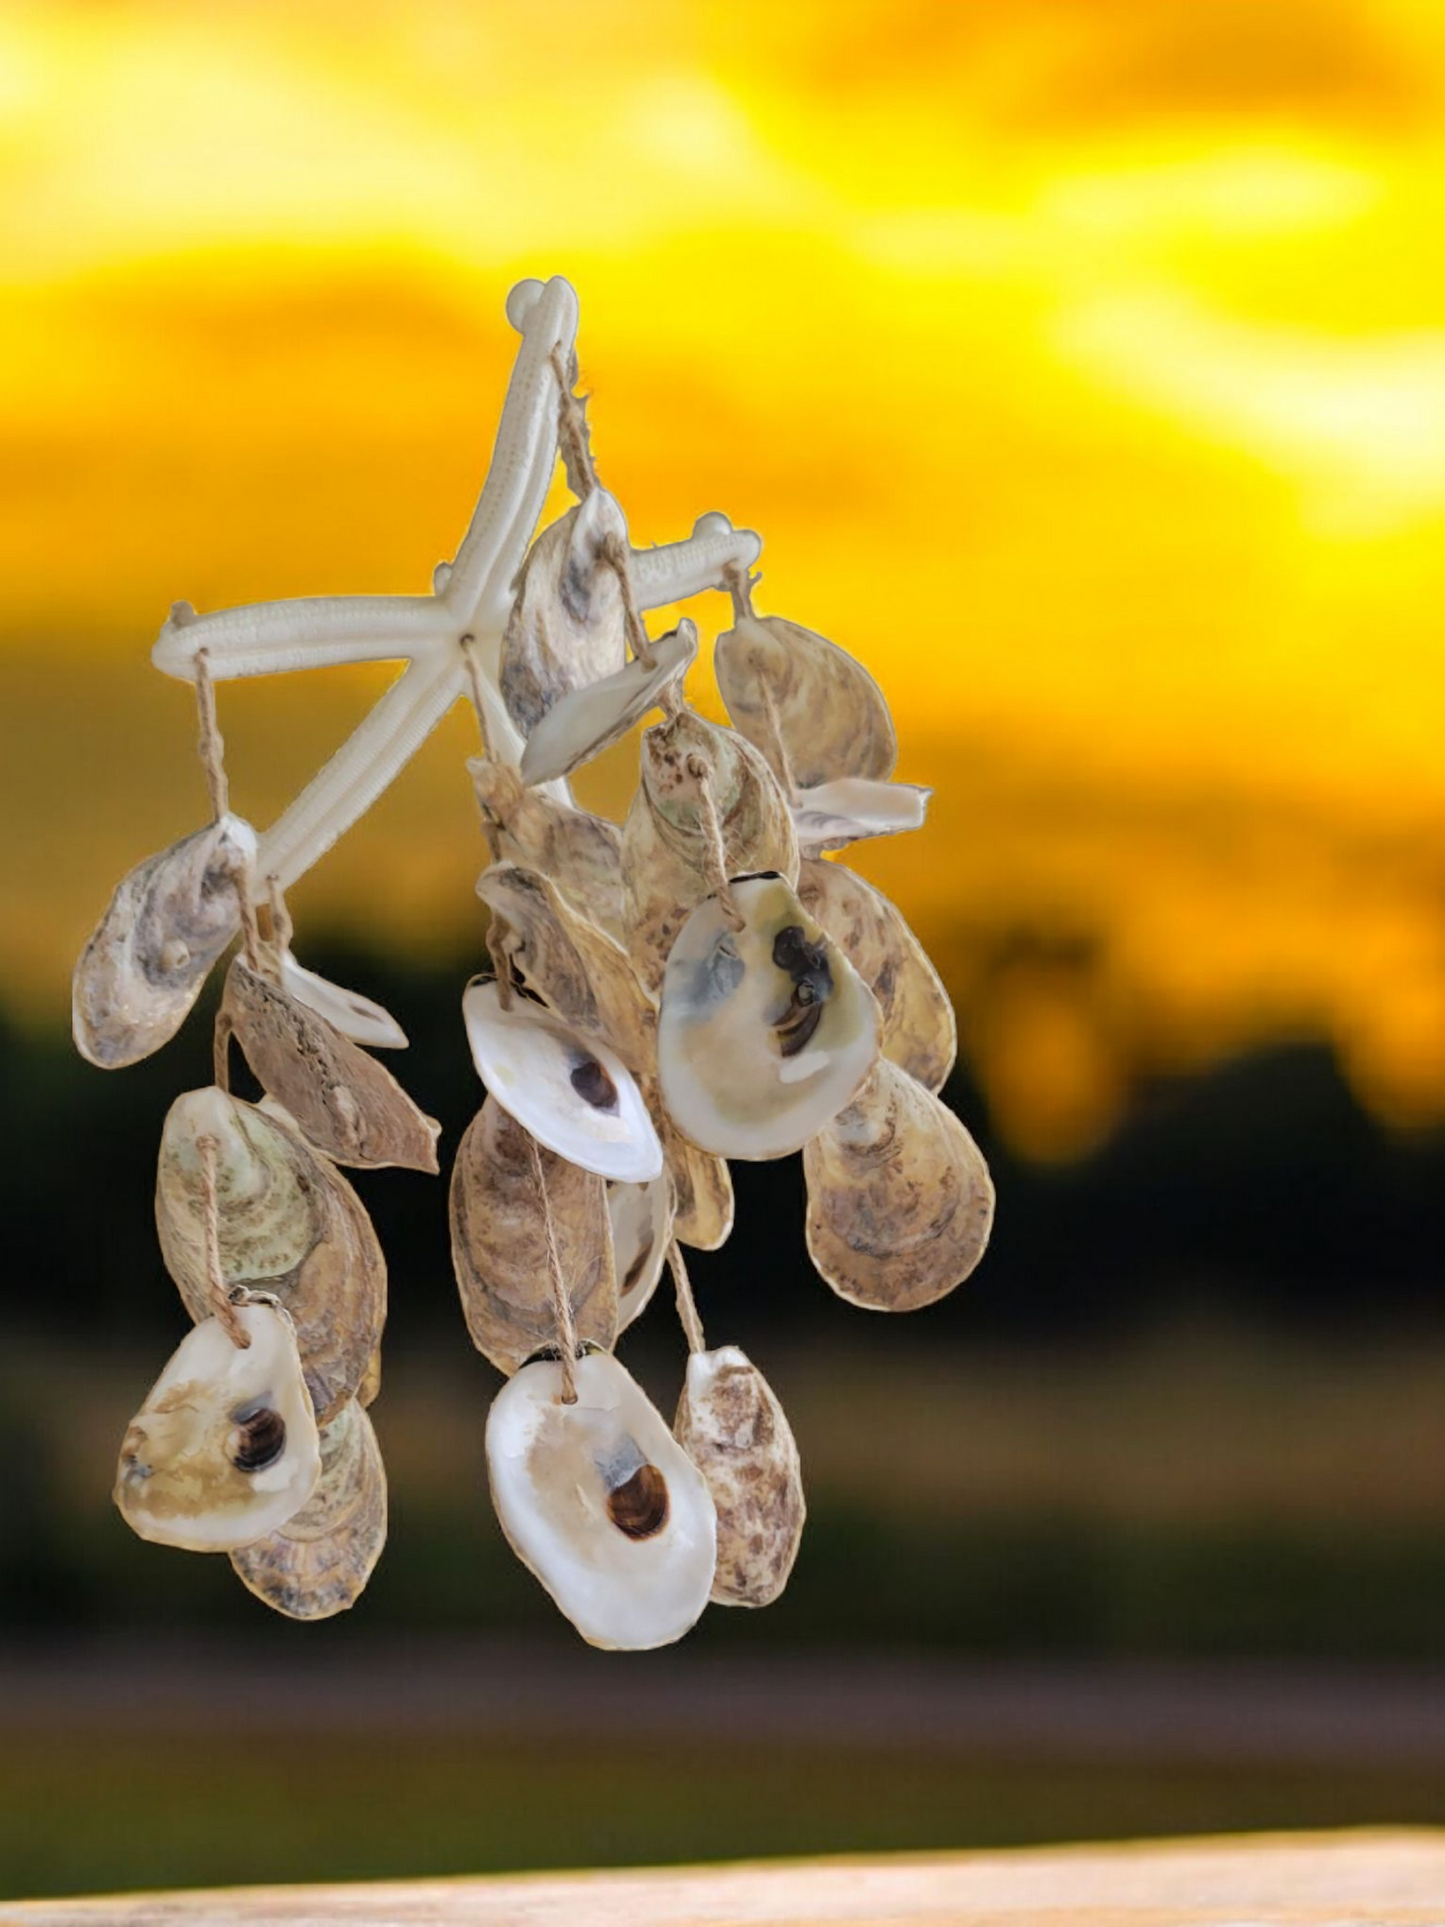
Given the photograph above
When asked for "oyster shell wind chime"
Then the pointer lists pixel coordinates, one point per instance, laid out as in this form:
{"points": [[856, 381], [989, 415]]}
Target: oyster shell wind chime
{"points": [[702, 983]]}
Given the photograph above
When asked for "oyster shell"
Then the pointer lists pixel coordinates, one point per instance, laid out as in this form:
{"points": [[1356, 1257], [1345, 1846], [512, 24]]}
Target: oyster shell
{"points": [[166, 925], [369, 1389], [599, 1501], [731, 1426], [224, 1449], [581, 724], [355, 1016], [581, 853], [702, 1185], [850, 811], [318, 1563], [830, 713], [666, 847], [577, 970], [900, 1203], [764, 1033], [347, 1104], [288, 1223], [567, 626], [574, 1095], [918, 1031], [641, 1222], [499, 1242]]}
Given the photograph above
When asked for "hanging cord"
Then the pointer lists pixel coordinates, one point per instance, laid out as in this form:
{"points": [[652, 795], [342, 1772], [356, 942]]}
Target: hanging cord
{"points": [[501, 960], [561, 1302], [213, 760], [739, 585], [781, 761], [686, 1303], [572, 433], [700, 770], [616, 553], [282, 927], [222, 1303]]}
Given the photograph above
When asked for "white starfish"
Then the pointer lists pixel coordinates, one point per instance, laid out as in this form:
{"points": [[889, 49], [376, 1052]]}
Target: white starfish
{"points": [[470, 603]]}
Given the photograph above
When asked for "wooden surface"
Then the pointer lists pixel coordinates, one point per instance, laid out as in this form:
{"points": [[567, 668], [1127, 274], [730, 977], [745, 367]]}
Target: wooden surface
{"points": [[1328, 1880]]}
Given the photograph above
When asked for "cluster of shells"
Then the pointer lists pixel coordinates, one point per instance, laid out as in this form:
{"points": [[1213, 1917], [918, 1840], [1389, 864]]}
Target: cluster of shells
{"points": [[704, 982]]}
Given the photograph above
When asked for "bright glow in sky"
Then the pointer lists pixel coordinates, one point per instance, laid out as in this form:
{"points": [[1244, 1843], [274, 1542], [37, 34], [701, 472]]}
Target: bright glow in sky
{"points": [[1082, 368]]}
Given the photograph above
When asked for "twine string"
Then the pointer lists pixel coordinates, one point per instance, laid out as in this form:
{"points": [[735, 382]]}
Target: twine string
{"points": [[222, 1303], [501, 960], [739, 585], [701, 771], [782, 762], [686, 1304], [572, 436], [281, 924], [561, 1302], [618, 557], [213, 758]]}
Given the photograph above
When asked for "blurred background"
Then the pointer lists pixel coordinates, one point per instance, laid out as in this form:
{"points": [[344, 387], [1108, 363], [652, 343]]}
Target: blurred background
{"points": [[1082, 367]]}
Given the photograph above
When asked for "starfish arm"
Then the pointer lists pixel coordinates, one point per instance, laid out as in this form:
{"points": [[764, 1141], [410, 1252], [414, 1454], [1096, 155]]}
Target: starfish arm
{"points": [[479, 585], [679, 569], [360, 770], [308, 632]]}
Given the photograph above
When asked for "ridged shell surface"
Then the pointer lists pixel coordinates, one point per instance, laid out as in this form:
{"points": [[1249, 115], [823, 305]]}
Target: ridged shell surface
{"points": [[566, 627], [581, 853], [731, 1426], [828, 710]]}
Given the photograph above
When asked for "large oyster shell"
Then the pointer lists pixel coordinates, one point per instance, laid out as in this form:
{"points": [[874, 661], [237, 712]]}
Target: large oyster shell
{"points": [[224, 1449], [344, 1102], [318, 1563], [581, 853], [600, 1502], [641, 1222], [499, 1242], [287, 1223], [919, 1031], [577, 970], [829, 711], [764, 1033], [731, 1426], [567, 626], [900, 1203], [702, 1185], [167, 923], [572, 1093], [581, 724], [666, 848]]}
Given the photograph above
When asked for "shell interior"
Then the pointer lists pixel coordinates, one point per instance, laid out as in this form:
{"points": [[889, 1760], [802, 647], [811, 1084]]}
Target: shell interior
{"points": [[851, 810], [581, 724]]}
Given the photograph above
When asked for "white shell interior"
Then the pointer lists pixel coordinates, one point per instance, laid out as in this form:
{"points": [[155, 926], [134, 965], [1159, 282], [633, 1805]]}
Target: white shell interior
{"points": [[355, 1016], [585, 721], [641, 1217], [849, 811]]}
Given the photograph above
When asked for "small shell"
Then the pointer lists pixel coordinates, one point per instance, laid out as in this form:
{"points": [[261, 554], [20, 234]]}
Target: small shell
{"points": [[499, 1242], [566, 628], [318, 1563], [355, 1016], [580, 973], [641, 1220], [667, 863], [581, 853], [368, 1391], [288, 1224], [167, 923], [346, 1103], [575, 1096], [599, 1501], [900, 1203], [830, 712], [919, 1031], [731, 1426], [225, 1449], [702, 1185], [765, 1032], [851, 810], [581, 724]]}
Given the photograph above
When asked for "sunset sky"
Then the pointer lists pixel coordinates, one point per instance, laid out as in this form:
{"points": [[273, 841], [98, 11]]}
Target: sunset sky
{"points": [[1081, 365]]}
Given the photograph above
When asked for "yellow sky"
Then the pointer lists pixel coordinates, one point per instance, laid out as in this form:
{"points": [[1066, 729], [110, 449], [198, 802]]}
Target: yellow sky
{"points": [[1081, 365]]}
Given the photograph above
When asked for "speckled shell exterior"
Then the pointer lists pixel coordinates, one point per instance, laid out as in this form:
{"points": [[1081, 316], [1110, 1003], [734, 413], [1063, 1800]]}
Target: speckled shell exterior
{"points": [[731, 1426], [829, 711]]}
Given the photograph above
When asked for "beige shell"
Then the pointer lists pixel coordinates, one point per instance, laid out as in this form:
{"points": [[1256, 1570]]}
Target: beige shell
{"points": [[641, 1220], [355, 1016], [900, 1203], [666, 859], [852, 810], [580, 973], [581, 724], [288, 1224], [369, 1390], [566, 627], [731, 1426], [344, 1102], [225, 1448], [318, 1563], [599, 1501], [499, 1242], [829, 711], [764, 1032], [581, 853], [166, 925], [702, 1185], [919, 1031]]}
